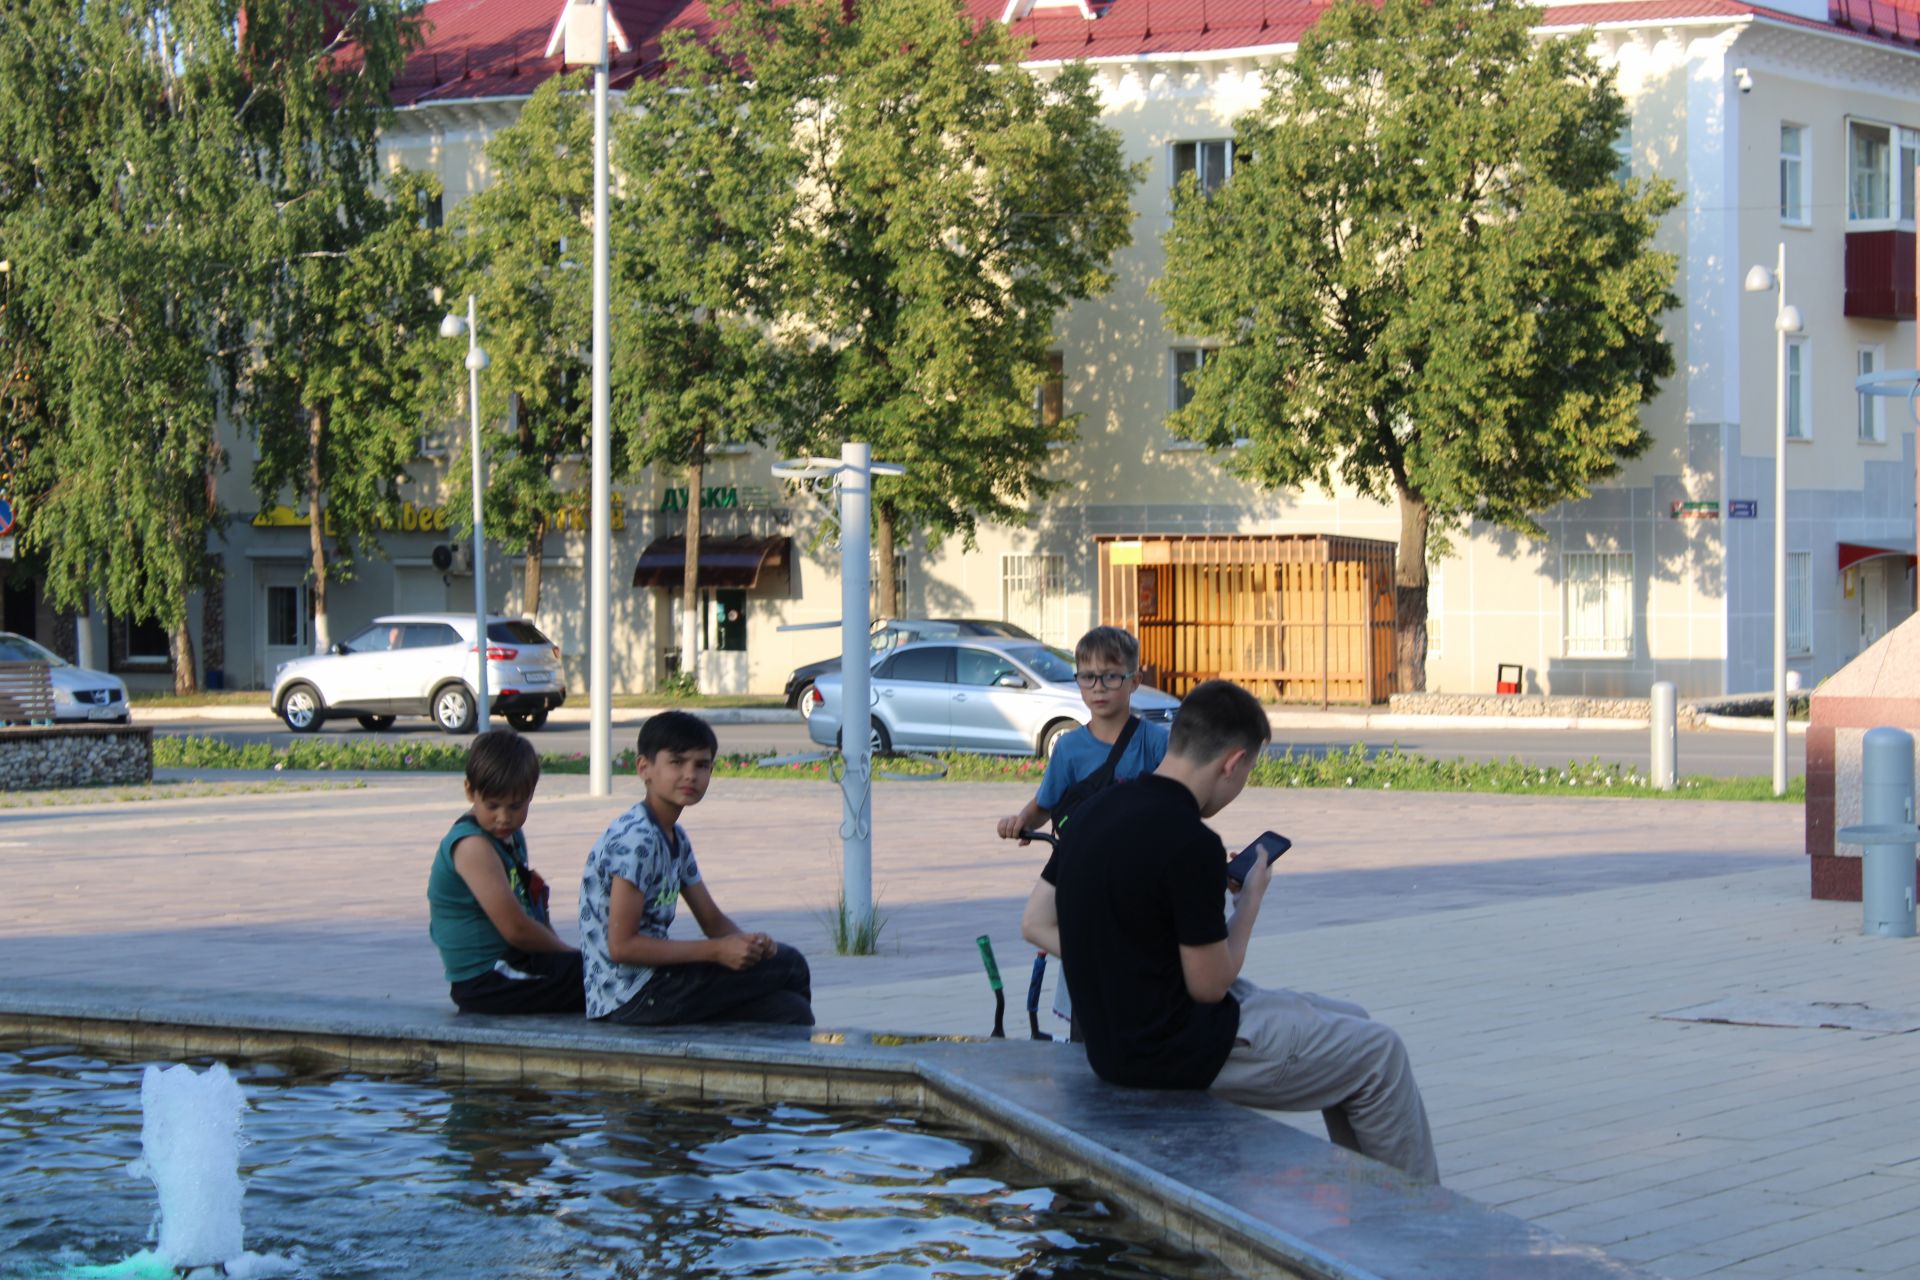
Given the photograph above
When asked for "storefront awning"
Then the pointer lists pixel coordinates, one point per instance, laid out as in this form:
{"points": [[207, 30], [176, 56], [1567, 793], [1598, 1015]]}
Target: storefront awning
{"points": [[724, 562], [1852, 553]]}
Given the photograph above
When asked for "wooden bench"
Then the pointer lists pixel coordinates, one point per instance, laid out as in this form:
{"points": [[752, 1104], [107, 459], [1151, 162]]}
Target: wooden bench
{"points": [[26, 693]]}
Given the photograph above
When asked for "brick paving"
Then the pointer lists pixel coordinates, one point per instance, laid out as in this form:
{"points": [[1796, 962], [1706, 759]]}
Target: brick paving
{"points": [[1526, 948]]}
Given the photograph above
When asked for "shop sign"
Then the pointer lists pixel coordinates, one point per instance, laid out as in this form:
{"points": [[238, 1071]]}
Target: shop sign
{"points": [[1696, 510], [715, 497], [1743, 509]]}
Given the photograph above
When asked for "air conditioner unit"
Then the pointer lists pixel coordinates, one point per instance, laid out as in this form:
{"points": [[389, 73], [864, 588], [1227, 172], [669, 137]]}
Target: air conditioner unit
{"points": [[453, 557]]}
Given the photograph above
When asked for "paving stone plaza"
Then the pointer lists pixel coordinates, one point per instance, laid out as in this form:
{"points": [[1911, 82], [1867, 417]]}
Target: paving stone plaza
{"points": [[1547, 960]]}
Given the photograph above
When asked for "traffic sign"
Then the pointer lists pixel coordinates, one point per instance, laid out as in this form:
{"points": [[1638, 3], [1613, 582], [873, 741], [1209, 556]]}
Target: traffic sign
{"points": [[6, 517]]}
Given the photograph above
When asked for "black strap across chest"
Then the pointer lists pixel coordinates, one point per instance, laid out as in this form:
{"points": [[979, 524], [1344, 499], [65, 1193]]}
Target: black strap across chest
{"points": [[1097, 781]]}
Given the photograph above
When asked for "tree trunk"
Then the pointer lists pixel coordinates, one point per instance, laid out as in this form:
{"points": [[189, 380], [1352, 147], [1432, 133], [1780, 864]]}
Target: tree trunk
{"points": [[316, 530], [536, 547], [690, 589], [886, 595], [181, 642], [1410, 594]]}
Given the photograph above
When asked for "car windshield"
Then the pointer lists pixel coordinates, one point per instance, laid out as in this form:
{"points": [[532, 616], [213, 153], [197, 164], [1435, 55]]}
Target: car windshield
{"points": [[515, 632], [1055, 666], [20, 649], [1006, 629]]}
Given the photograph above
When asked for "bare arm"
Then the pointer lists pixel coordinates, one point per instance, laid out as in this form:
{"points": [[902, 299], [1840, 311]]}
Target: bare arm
{"points": [[1040, 922], [1210, 970], [627, 945], [478, 865], [1030, 818]]}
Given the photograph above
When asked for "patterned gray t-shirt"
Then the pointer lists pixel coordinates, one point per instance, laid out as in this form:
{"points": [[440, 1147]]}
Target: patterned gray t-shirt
{"points": [[634, 849]]}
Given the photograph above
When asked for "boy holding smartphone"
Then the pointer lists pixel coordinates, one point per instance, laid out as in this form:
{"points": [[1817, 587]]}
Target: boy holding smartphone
{"points": [[1133, 897]]}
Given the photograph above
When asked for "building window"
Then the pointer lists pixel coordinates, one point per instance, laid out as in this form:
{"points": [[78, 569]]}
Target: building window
{"points": [[1871, 418], [726, 620], [1799, 391], [1033, 595], [1794, 205], [1186, 361], [1599, 603], [1880, 177], [1210, 162], [899, 585], [286, 619], [1623, 155], [1799, 603], [1049, 398]]}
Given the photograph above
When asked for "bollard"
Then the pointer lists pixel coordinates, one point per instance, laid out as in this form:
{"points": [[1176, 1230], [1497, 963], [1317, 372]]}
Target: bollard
{"points": [[1886, 799], [1666, 736]]}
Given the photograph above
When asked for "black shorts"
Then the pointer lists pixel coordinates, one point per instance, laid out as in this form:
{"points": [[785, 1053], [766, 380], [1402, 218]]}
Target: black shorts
{"points": [[544, 982]]}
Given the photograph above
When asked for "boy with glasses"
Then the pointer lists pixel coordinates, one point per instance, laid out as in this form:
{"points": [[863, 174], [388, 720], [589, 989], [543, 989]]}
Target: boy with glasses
{"points": [[1113, 746]]}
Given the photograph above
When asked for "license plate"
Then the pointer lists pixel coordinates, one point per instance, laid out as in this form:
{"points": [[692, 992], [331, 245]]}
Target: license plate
{"points": [[537, 677], [102, 713]]}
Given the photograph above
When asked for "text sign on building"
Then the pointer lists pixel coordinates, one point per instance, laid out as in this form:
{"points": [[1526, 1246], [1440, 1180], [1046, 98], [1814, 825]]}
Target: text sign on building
{"points": [[1743, 508], [1696, 510]]}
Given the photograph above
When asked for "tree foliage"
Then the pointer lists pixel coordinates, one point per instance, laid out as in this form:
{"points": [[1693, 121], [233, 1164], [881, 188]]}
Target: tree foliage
{"points": [[1424, 278], [529, 264], [957, 203], [150, 154], [709, 145]]}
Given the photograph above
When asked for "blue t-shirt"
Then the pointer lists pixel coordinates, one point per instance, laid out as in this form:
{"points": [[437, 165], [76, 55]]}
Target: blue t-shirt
{"points": [[1079, 754]]}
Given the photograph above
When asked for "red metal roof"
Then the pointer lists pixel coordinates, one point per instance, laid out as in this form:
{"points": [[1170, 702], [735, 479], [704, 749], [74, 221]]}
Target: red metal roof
{"points": [[496, 48]]}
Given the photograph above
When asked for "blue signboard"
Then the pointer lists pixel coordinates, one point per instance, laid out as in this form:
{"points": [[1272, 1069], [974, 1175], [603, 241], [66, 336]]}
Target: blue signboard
{"points": [[6, 518], [1743, 509]]}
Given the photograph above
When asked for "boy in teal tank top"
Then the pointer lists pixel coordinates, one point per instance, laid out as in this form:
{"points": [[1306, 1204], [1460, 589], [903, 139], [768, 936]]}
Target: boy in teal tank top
{"points": [[487, 908]]}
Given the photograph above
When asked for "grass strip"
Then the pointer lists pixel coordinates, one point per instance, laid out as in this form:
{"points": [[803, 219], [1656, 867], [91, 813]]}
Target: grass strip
{"points": [[1358, 768]]}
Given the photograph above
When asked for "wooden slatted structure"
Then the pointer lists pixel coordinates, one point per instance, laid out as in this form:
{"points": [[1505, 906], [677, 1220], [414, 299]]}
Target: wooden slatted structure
{"points": [[26, 693], [1293, 617]]}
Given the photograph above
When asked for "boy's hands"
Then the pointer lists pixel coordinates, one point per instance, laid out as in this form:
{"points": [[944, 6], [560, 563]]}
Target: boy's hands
{"points": [[1011, 826], [739, 951], [1259, 875]]}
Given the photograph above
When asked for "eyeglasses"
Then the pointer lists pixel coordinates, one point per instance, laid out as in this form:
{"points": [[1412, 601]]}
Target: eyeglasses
{"points": [[1106, 679]]}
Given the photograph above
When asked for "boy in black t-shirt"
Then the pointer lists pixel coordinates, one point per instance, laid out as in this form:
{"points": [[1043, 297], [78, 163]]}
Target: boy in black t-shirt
{"points": [[1135, 887]]}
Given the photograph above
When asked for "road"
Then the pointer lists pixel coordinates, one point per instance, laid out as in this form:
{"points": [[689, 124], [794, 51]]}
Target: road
{"points": [[1710, 752]]}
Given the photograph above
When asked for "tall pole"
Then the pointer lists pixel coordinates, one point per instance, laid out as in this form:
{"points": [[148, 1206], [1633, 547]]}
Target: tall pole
{"points": [[600, 667], [1780, 526], [856, 748], [481, 707]]}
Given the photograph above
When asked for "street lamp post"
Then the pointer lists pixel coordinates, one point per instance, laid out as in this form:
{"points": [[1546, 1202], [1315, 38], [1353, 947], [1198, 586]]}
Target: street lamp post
{"points": [[1786, 320], [452, 326]]}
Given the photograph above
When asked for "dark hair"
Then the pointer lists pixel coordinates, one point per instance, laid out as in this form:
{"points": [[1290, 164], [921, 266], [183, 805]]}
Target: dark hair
{"points": [[502, 765], [1115, 644], [1216, 717], [676, 731]]}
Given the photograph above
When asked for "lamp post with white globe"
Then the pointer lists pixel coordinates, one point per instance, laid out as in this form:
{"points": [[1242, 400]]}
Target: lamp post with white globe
{"points": [[1786, 320], [452, 326]]}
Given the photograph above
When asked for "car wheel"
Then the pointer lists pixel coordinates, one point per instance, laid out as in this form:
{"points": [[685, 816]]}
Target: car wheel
{"points": [[804, 700], [879, 742], [375, 724], [302, 709], [1051, 738], [453, 709], [527, 721]]}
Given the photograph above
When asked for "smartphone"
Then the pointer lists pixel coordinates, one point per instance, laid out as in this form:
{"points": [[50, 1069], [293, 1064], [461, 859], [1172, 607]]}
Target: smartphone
{"points": [[1270, 843]]}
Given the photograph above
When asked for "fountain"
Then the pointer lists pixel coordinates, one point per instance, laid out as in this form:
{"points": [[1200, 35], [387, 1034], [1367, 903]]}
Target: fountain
{"points": [[190, 1150]]}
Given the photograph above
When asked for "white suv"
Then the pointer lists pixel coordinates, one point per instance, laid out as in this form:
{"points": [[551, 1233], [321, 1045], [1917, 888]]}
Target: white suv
{"points": [[423, 664]]}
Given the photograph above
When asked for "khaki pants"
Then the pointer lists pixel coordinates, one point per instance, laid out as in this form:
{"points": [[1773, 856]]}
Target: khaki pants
{"points": [[1302, 1052]]}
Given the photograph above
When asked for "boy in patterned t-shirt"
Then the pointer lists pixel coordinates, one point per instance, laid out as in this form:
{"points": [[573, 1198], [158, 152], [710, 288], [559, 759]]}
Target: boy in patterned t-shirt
{"points": [[637, 873]]}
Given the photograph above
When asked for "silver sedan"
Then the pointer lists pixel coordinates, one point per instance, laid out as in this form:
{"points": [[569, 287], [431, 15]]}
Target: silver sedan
{"points": [[975, 693]]}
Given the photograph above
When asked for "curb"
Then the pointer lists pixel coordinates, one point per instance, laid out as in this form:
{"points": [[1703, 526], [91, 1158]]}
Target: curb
{"points": [[564, 715]]}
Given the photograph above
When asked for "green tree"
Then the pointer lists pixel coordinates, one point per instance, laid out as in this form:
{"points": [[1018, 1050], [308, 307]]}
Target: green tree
{"points": [[528, 263], [336, 389], [710, 144], [1425, 278], [957, 203], [144, 150]]}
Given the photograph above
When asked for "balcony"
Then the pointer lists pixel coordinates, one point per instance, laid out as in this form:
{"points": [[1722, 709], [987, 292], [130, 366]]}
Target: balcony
{"points": [[1880, 284]]}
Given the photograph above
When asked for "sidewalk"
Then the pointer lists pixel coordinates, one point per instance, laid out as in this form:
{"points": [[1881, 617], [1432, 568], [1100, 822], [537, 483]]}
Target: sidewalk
{"points": [[1530, 950]]}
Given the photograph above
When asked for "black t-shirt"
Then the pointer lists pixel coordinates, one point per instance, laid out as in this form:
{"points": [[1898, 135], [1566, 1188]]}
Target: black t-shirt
{"points": [[1137, 876]]}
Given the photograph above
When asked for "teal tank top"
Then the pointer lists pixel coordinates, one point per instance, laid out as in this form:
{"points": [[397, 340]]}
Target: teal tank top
{"points": [[468, 943]]}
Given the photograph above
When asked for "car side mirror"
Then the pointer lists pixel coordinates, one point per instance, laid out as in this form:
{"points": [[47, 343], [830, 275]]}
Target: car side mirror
{"points": [[338, 648], [1010, 680]]}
